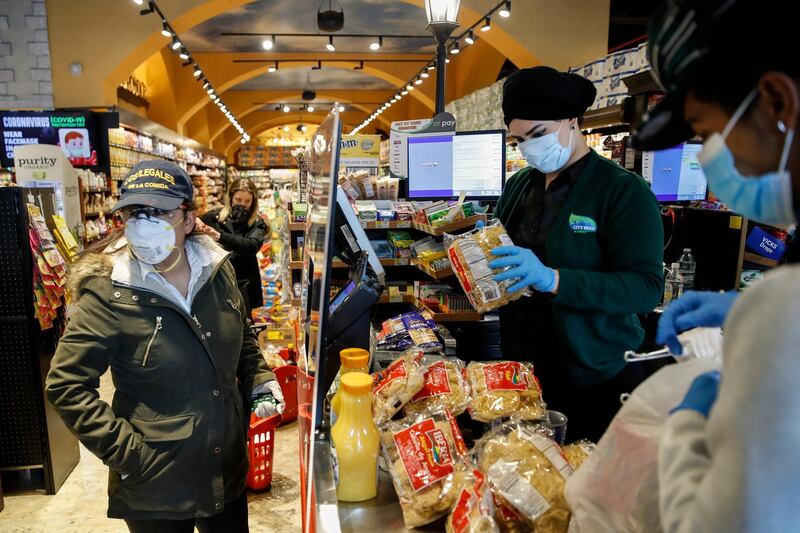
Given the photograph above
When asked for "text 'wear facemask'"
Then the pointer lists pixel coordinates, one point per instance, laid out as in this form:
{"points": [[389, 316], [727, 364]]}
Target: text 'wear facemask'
{"points": [[766, 198], [546, 154], [151, 239]]}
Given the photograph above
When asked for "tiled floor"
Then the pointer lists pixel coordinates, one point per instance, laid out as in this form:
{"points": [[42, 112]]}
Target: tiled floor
{"points": [[80, 505]]}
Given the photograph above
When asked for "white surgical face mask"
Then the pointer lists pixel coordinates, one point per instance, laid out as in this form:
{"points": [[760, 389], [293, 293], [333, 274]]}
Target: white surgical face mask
{"points": [[766, 198], [546, 154], [151, 239]]}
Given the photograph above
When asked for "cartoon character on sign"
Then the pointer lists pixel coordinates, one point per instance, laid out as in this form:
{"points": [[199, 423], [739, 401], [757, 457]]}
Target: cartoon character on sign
{"points": [[75, 144]]}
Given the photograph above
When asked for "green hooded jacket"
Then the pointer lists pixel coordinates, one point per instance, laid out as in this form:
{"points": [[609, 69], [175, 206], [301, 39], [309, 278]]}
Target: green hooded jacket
{"points": [[174, 437], [607, 244]]}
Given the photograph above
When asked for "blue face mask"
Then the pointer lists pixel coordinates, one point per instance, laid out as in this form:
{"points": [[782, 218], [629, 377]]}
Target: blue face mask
{"points": [[545, 153], [766, 198]]}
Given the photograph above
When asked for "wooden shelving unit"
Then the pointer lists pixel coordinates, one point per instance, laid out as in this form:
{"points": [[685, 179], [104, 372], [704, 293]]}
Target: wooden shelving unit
{"points": [[455, 226], [387, 224], [758, 260], [435, 274], [457, 316], [401, 299]]}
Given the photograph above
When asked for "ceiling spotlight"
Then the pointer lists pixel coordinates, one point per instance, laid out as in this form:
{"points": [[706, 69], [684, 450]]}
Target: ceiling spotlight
{"points": [[197, 72], [330, 46], [184, 54], [341, 109], [375, 45], [487, 24], [215, 98], [286, 109], [404, 93], [505, 11], [304, 128], [272, 68], [418, 81], [176, 43], [138, 2], [165, 31], [431, 67], [447, 61], [470, 38], [455, 49], [424, 75], [268, 43], [310, 109], [210, 90], [206, 85], [243, 140]]}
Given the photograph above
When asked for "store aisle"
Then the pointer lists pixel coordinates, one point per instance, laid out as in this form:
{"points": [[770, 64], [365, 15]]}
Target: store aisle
{"points": [[81, 503]]}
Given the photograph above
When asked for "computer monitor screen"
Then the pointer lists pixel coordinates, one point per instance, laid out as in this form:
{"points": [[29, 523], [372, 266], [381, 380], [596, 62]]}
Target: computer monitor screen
{"points": [[443, 166], [675, 174]]}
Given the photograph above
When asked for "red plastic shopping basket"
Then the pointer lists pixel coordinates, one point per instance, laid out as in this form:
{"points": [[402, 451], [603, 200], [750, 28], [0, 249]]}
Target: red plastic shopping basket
{"points": [[287, 377], [260, 451]]}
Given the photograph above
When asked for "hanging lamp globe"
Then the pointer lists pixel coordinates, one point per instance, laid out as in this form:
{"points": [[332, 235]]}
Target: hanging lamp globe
{"points": [[330, 20]]}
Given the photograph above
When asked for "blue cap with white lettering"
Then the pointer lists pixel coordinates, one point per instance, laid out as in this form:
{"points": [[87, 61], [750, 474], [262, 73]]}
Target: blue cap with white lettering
{"points": [[155, 183]]}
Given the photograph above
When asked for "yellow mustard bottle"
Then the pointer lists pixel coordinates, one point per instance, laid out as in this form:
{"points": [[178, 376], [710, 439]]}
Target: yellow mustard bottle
{"points": [[356, 441], [353, 360]]}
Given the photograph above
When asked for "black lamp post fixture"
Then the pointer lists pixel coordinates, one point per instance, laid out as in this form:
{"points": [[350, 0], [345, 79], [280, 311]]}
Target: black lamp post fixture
{"points": [[442, 21]]}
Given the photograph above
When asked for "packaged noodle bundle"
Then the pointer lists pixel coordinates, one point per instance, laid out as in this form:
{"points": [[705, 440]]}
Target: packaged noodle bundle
{"points": [[577, 452], [396, 385], [527, 471], [470, 255], [474, 510], [445, 387], [504, 388], [426, 457]]}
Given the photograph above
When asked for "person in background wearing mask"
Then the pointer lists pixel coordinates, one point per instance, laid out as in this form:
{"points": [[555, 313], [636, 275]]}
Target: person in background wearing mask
{"points": [[728, 457], [159, 306], [238, 228], [589, 242]]}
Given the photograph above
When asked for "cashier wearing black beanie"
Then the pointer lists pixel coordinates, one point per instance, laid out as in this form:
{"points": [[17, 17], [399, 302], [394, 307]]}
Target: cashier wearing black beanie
{"points": [[588, 244]]}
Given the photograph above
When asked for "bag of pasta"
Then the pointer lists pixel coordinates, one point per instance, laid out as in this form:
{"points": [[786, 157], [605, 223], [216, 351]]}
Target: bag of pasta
{"points": [[396, 385], [501, 389], [577, 452], [474, 510], [445, 387], [427, 459], [527, 471], [470, 254]]}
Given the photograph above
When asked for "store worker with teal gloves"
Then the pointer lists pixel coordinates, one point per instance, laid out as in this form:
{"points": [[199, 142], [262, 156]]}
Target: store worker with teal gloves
{"points": [[589, 244]]}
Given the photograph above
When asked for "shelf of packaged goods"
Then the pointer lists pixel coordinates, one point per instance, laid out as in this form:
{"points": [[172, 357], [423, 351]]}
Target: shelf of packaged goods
{"points": [[435, 274], [397, 299], [297, 302], [297, 226], [386, 224], [140, 151], [758, 260], [394, 262], [296, 265], [449, 228], [455, 316]]}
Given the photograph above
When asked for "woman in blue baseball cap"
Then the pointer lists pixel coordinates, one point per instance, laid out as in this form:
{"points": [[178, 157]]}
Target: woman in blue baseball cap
{"points": [[728, 458]]}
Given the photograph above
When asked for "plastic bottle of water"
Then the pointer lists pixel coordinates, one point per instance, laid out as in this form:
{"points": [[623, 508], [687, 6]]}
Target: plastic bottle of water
{"points": [[673, 284], [688, 266]]}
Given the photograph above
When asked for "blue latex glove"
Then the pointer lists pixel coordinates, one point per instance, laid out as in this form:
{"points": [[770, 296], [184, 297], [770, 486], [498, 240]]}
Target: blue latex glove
{"points": [[525, 266], [693, 310], [701, 394], [479, 224]]}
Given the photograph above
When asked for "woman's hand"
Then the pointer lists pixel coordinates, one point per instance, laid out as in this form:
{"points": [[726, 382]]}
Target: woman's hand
{"points": [[205, 229]]}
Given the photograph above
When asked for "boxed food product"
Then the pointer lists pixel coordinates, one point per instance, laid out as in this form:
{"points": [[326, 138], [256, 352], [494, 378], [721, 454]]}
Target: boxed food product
{"points": [[401, 241], [527, 471], [474, 510], [501, 389], [445, 387], [396, 385], [470, 254], [577, 452], [426, 457]]}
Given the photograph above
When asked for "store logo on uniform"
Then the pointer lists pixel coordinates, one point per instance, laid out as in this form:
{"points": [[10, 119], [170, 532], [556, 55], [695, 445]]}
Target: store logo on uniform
{"points": [[581, 224]]}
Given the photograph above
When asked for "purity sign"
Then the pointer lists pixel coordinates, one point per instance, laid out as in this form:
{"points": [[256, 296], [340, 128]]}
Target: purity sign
{"points": [[73, 132]]}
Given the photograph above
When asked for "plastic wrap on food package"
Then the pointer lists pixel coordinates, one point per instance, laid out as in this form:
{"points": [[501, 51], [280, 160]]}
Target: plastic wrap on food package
{"points": [[577, 452], [427, 458], [271, 354], [474, 510], [446, 386], [396, 385], [527, 471], [470, 254], [501, 389]]}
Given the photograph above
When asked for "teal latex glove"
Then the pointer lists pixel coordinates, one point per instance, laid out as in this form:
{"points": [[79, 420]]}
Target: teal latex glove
{"points": [[694, 309], [701, 394], [524, 265]]}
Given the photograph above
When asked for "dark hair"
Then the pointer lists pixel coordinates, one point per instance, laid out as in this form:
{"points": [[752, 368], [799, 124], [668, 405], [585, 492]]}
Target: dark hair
{"points": [[116, 234]]}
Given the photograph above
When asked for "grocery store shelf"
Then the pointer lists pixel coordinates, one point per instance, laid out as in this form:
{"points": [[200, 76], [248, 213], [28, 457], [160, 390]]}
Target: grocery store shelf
{"points": [[96, 191], [399, 299], [457, 316], [435, 274], [448, 228], [297, 226], [296, 265], [385, 262], [297, 302], [758, 260], [387, 224], [139, 151]]}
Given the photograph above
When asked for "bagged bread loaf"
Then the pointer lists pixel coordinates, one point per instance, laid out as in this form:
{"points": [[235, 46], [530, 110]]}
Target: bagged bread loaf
{"points": [[577, 452], [396, 385], [426, 457], [445, 387], [470, 255], [474, 510], [501, 389], [527, 471]]}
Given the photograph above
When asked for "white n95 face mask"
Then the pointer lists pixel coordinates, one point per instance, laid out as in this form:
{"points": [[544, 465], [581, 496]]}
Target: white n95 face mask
{"points": [[546, 154], [151, 239], [766, 198]]}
